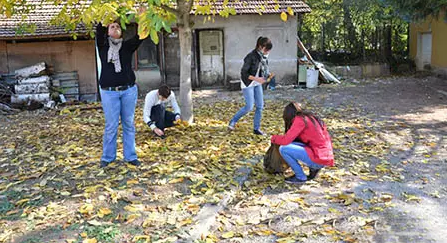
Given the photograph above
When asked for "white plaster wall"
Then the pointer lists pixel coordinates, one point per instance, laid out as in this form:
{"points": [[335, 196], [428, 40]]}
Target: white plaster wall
{"points": [[241, 33]]}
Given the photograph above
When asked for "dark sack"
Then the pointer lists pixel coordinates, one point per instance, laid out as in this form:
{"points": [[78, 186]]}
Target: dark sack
{"points": [[273, 161]]}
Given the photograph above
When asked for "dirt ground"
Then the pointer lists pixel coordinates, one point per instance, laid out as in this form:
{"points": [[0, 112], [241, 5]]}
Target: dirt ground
{"points": [[405, 202], [389, 183]]}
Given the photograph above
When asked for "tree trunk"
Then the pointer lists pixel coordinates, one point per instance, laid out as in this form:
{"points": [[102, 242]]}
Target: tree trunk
{"points": [[388, 49], [300, 25], [363, 46], [323, 47], [407, 52], [351, 38], [185, 38]]}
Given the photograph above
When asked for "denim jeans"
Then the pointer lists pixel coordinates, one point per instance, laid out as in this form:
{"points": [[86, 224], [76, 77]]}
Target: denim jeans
{"points": [[294, 152], [253, 96], [116, 104], [272, 83], [162, 118]]}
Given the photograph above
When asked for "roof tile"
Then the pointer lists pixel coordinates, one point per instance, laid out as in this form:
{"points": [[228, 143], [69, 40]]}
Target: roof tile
{"points": [[44, 12]]}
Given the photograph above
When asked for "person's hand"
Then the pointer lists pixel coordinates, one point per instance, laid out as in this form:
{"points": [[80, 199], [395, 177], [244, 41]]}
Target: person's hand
{"points": [[260, 80], [142, 9], [159, 132]]}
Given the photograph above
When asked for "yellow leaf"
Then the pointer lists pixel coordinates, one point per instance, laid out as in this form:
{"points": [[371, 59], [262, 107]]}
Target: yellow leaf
{"points": [[185, 222], [142, 237], [22, 201], [86, 208], [290, 11], [284, 16], [148, 222], [228, 235], [94, 222], [177, 180], [333, 210], [154, 36], [103, 212], [264, 232], [132, 217], [90, 241], [84, 235], [65, 193], [134, 208], [70, 240], [286, 240], [131, 182]]}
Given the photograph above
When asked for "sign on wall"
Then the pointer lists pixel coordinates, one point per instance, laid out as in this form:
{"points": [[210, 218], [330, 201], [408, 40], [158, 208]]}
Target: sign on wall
{"points": [[210, 42]]}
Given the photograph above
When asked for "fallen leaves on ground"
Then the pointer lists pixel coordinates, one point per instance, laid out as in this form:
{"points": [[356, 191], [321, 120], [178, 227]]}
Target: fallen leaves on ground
{"points": [[51, 179]]}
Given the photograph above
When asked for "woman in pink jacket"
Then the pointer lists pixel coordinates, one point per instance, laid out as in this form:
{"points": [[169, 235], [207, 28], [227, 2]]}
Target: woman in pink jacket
{"points": [[306, 139]]}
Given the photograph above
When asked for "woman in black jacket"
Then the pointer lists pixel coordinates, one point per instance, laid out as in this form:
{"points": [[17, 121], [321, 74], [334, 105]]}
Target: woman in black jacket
{"points": [[253, 75], [118, 91]]}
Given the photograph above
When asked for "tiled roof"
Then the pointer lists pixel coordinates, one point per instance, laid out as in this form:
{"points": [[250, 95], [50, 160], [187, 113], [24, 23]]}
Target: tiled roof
{"points": [[45, 11], [40, 17], [253, 7]]}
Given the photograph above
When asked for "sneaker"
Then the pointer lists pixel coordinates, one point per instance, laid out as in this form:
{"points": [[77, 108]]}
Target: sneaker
{"points": [[312, 173], [103, 164], [134, 162], [258, 132], [231, 126], [294, 180]]}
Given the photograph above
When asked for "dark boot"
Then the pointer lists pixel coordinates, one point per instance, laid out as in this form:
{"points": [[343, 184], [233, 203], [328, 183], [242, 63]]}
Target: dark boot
{"points": [[312, 173], [134, 162]]}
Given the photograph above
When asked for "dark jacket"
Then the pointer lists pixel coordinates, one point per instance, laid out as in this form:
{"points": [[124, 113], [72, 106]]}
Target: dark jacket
{"points": [[109, 78], [251, 65]]}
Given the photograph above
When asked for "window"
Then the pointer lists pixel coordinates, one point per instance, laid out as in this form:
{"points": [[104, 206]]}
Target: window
{"points": [[147, 53]]}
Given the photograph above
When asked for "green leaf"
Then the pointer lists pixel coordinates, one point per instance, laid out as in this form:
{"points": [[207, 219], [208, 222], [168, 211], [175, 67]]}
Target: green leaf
{"points": [[166, 27], [154, 36], [123, 23]]}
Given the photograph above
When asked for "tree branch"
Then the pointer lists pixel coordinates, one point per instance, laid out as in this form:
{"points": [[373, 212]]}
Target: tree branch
{"points": [[171, 10], [189, 5]]}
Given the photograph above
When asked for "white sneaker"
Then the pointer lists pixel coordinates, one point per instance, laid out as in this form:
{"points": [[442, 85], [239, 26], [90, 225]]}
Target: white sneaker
{"points": [[231, 127]]}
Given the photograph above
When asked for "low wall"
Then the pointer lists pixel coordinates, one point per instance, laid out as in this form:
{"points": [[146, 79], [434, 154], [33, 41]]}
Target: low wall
{"points": [[364, 71]]}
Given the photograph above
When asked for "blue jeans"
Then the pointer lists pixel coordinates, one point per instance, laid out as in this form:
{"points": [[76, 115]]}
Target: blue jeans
{"points": [[114, 105], [253, 96], [272, 83], [294, 152]]}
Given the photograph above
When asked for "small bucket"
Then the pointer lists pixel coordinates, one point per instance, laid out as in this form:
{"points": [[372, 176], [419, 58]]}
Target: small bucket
{"points": [[312, 78]]}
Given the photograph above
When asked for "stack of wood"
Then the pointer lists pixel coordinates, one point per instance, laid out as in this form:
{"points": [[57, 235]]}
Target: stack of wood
{"points": [[67, 83], [33, 84]]}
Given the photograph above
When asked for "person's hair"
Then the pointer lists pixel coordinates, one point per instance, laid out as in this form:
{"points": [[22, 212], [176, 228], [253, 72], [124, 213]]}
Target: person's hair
{"points": [[291, 111], [264, 42], [164, 91]]}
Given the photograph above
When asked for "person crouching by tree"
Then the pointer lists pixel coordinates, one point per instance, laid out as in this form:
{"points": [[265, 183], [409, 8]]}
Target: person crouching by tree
{"points": [[306, 139], [118, 90], [155, 114]]}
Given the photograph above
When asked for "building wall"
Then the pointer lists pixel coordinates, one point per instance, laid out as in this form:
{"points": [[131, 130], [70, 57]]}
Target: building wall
{"points": [[241, 33], [438, 28], [3, 57], [64, 56]]}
